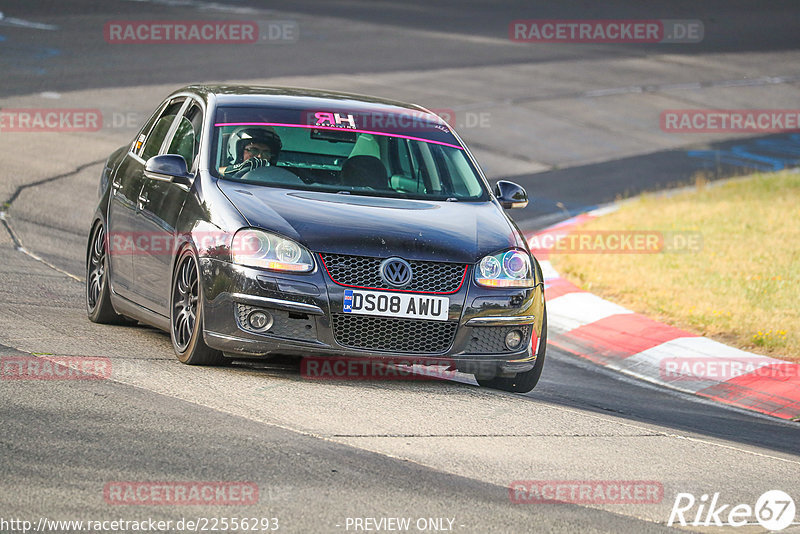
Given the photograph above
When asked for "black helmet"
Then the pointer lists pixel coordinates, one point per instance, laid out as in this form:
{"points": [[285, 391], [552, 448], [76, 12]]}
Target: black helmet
{"points": [[253, 134]]}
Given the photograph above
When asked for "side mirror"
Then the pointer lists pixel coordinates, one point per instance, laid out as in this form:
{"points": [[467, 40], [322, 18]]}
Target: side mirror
{"points": [[168, 168], [510, 195]]}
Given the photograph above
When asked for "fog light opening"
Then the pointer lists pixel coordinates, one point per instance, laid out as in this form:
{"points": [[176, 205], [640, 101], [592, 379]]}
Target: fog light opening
{"points": [[260, 321], [513, 339]]}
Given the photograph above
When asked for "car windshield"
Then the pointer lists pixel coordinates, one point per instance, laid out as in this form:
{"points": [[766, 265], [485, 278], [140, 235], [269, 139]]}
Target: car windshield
{"points": [[368, 153]]}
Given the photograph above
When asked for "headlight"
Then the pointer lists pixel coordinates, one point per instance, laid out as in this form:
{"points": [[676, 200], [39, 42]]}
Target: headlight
{"points": [[256, 248], [506, 269]]}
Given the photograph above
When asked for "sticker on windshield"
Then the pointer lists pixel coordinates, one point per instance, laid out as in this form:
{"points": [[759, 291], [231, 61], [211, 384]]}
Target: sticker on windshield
{"points": [[335, 120]]}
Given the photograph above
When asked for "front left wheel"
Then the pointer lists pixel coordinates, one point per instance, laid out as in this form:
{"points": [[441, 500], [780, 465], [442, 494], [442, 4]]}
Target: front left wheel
{"points": [[526, 381], [186, 314]]}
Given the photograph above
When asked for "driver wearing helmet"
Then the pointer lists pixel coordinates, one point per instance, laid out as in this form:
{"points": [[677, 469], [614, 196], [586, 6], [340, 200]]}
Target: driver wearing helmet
{"points": [[250, 148]]}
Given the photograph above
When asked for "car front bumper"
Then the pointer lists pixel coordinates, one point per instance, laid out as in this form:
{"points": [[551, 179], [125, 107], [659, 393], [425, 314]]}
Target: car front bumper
{"points": [[307, 320]]}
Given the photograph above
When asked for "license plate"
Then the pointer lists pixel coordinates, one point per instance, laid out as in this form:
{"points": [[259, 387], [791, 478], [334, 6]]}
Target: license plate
{"points": [[406, 305]]}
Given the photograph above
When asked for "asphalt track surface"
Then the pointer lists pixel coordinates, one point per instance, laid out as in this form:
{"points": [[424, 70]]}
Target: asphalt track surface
{"points": [[321, 451]]}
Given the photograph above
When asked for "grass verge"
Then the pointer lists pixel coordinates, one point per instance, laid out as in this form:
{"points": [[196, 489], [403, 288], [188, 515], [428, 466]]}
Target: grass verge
{"points": [[742, 287]]}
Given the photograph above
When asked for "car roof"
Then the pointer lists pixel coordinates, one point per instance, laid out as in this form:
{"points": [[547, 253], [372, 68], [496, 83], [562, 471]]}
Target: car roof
{"points": [[299, 98]]}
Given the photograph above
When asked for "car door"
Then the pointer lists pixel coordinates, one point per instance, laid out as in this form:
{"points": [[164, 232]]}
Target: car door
{"points": [[161, 203], [126, 241]]}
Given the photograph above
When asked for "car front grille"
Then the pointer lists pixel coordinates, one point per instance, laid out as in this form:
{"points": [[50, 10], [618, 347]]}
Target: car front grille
{"points": [[393, 335], [363, 271]]}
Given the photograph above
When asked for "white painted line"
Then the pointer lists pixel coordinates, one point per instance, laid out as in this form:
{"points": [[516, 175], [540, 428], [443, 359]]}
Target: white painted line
{"points": [[680, 86], [604, 210], [42, 260], [572, 310], [548, 271], [21, 23], [614, 91], [208, 6], [703, 355]]}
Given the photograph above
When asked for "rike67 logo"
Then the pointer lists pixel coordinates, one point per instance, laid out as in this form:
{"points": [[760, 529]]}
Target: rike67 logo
{"points": [[774, 510]]}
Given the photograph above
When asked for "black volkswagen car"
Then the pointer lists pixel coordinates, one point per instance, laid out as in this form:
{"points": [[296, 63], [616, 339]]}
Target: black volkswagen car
{"points": [[260, 221]]}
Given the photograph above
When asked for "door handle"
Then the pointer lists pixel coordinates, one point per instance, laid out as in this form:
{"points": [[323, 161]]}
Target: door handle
{"points": [[116, 185]]}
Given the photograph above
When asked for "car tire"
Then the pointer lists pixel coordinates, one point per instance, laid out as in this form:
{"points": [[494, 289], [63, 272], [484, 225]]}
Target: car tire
{"points": [[522, 382], [97, 292], [186, 314]]}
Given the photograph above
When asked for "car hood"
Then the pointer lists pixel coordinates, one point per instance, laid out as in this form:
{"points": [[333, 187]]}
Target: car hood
{"points": [[375, 226]]}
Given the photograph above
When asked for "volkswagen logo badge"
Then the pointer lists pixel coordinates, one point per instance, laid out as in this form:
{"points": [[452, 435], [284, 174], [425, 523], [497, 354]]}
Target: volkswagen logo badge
{"points": [[396, 272]]}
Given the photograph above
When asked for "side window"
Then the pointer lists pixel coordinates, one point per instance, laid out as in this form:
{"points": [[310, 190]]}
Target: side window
{"points": [[401, 164], [403, 178], [454, 181], [156, 136], [136, 147], [186, 140]]}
